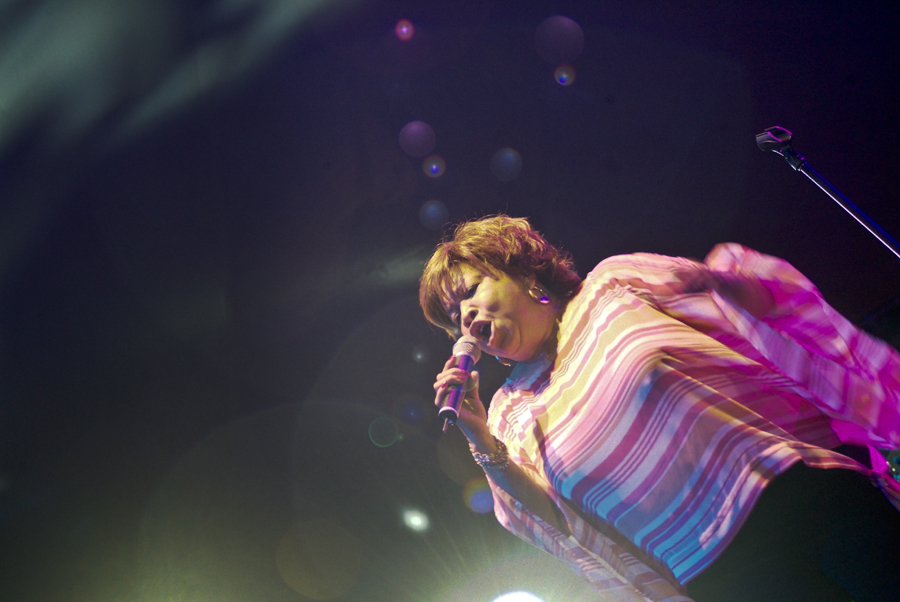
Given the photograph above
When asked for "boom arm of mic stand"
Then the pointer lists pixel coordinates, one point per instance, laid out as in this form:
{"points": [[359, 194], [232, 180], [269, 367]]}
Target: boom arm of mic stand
{"points": [[778, 140]]}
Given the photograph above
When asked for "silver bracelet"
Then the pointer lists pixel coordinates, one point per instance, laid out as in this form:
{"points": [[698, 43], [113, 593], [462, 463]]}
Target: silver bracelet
{"points": [[498, 459]]}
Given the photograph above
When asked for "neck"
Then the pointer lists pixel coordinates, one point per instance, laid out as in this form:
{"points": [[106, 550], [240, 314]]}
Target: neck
{"points": [[555, 311]]}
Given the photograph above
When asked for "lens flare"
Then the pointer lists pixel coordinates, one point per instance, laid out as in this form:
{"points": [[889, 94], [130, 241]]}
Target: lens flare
{"points": [[506, 164], [564, 75], [559, 39], [434, 215], [412, 413], [383, 432], [434, 166], [478, 497], [404, 30], [417, 138]]}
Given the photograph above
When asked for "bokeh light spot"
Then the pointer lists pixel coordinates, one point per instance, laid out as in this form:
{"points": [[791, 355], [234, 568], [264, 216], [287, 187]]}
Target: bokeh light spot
{"points": [[518, 597], [506, 164], [318, 559], [383, 432], [564, 75], [416, 520], [404, 30], [412, 412], [434, 166], [433, 215], [417, 138], [420, 354], [477, 495], [559, 39]]}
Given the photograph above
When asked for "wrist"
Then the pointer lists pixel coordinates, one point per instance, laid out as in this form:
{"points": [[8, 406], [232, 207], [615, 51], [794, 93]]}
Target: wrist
{"points": [[497, 460], [480, 438]]}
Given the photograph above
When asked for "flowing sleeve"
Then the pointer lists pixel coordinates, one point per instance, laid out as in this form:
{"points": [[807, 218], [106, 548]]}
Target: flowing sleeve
{"points": [[852, 377]]}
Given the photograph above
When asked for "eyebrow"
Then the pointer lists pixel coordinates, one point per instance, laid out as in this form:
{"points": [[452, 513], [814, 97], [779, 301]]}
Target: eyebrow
{"points": [[455, 284]]}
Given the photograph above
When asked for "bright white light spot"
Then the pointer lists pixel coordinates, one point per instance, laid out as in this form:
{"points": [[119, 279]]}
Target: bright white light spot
{"points": [[415, 520], [518, 597]]}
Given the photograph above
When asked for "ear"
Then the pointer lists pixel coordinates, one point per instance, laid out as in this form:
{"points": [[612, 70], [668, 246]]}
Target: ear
{"points": [[540, 294], [529, 281]]}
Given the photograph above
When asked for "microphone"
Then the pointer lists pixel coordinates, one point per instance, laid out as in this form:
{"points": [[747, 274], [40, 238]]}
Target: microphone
{"points": [[467, 354]]}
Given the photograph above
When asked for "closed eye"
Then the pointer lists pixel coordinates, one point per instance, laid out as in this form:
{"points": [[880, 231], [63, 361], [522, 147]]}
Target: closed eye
{"points": [[455, 313]]}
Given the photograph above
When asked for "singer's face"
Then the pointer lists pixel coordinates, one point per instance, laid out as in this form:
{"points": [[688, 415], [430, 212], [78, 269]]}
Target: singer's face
{"points": [[499, 312]]}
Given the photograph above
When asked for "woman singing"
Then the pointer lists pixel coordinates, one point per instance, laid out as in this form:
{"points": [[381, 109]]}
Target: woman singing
{"points": [[646, 432]]}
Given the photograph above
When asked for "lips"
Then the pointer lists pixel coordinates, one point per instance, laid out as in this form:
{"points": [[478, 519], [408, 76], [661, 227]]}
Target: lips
{"points": [[481, 330]]}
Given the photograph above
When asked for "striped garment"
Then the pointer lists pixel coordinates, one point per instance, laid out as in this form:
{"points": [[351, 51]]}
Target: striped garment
{"points": [[666, 412]]}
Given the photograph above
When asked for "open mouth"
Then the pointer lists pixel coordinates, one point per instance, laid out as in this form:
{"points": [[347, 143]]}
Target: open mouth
{"points": [[483, 331]]}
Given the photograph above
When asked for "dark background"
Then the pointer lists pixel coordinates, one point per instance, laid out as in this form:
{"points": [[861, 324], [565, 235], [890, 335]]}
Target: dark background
{"points": [[210, 241]]}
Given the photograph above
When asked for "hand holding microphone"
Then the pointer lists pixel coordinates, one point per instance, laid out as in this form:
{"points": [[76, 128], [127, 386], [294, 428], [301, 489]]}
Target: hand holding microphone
{"points": [[455, 377]]}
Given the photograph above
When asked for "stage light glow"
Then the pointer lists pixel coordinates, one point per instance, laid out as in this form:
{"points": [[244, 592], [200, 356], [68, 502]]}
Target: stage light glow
{"points": [[559, 39], [383, 432], [434, 166], [319, 559], [564, 75], [404, 30], [417, 138], [506, 164], [433, 215], [416, 520], [518, 597]]}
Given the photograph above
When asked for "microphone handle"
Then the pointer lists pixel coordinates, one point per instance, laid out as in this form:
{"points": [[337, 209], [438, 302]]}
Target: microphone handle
{"points": [[450, 411]]}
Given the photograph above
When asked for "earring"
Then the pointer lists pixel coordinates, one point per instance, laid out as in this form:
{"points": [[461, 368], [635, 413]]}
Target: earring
{"points": [[539, 294], [503, 361]]}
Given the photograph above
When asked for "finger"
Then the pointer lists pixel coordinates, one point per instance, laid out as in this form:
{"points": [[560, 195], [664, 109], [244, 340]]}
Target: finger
{"points": [[472, 383], [445, 380], [444, 383], [454, 373], [442, 388]]}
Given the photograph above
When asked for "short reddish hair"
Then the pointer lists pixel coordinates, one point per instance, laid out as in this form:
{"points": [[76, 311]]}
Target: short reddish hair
{"points": [[492, 244]]}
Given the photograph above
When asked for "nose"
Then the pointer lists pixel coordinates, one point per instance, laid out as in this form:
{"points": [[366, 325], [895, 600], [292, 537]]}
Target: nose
{"points": [[469, 315]]}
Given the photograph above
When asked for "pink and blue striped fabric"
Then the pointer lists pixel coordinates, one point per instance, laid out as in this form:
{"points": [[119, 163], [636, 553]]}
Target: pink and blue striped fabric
{"points": [[666, 411]]}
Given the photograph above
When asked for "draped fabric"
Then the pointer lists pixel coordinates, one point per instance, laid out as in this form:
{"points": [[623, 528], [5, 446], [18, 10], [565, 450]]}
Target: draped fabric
{"points": [[666, 411]]}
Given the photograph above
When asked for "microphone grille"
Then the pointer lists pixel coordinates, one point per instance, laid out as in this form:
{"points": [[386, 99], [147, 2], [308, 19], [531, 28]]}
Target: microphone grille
{"points": [[467, 345]]}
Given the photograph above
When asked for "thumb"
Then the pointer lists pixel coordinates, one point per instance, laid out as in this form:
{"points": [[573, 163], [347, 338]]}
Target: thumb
{"points": [[472, 383]]}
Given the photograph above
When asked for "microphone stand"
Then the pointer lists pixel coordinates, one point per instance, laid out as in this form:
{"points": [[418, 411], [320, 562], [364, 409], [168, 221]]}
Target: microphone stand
{"points": [[778, 140]]}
